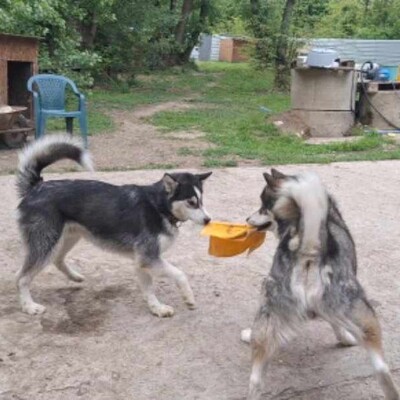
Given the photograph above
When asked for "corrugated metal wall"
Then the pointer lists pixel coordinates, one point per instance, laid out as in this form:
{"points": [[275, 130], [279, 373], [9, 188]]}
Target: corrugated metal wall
{"points": [[384, 52], [205, 47], [208, 48], [215, 46]]}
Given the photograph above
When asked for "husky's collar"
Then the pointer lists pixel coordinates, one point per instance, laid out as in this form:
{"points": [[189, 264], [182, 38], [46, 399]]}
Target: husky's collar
{"points": [[173, 220]]}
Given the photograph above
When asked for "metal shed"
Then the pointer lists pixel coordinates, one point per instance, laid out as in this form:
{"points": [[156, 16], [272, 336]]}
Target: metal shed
{"points": [[384, 52], [208, 48]]}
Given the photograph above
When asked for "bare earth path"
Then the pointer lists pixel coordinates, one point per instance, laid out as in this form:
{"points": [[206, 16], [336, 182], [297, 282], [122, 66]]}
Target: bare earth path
{"points": [[135, 143], [98, 341]]}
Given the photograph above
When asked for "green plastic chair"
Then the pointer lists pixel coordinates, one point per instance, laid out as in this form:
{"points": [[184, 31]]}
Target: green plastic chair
{"points": [[49, 101]]}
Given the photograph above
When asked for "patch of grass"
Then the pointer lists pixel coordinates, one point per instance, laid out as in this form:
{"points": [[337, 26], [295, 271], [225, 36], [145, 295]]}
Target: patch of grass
{"points": [[186, 151], [235, 121], [158, 166], [98, 122], [162, 166], [218, 163], [155, 88]]}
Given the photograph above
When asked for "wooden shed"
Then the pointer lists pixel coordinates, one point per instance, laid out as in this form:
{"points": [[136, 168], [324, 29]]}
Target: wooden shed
{"points": [[234, 49], [18, 62]]}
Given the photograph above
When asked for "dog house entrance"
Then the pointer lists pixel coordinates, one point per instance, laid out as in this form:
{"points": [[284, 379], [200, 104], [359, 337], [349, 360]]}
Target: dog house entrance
{"points": [[18, 75]]}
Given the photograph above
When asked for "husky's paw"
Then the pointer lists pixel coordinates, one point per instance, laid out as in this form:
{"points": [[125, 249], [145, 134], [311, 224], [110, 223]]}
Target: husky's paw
{"points": [[162, 311], [294, 243], [190, 304], [33, 308], [347, 339], [245, 335], [188, 298], [255, 391], [76, 276]]}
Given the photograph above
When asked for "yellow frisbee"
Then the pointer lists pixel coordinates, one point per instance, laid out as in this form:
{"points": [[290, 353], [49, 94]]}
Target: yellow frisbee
{"points": [[227, 240]]}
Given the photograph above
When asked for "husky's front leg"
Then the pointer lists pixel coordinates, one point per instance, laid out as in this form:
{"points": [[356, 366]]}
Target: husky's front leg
{"points": [[165, 268], [146, 285]]}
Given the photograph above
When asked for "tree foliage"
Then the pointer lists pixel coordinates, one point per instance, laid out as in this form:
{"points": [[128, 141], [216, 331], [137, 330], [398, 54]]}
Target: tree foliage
{"points": [[56, 24], [108, 37], [116, 38], [367, 19]]}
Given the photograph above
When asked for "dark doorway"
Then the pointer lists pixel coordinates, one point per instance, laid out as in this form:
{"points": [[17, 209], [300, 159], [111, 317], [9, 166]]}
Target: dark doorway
{"points": [[18, 75]]}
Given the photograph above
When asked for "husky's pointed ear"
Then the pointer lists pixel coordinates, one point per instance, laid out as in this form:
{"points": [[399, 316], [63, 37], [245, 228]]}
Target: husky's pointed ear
{"points": [[170, 183], [269, 179], [278, 175], [204, 176]]}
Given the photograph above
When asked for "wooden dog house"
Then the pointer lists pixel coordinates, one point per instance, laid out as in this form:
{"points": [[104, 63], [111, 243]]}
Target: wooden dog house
{"points": [[18, 62]]}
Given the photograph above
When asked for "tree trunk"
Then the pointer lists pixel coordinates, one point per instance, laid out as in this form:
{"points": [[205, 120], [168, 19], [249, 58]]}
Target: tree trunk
{"points": [[195, 34], [282, 67], [172, 5], [88, 31], [191, 37], [187, 9]]}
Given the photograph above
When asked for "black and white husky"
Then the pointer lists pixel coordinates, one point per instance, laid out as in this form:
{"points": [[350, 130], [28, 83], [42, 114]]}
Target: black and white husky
{"points": [[313, 274], [137, 221]]}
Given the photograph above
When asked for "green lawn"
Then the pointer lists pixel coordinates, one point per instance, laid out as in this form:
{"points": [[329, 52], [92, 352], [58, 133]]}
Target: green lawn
{"points": [[234, 121], [231, 101]]}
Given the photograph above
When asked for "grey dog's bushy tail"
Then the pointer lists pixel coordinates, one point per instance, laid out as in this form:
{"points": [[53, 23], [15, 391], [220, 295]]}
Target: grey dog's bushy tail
{"points": [[43, 152], [310, 195]]}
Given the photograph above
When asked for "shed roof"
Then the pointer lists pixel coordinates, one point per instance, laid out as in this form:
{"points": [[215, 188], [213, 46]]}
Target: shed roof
{"points": [[384, 52], [10, 35]]}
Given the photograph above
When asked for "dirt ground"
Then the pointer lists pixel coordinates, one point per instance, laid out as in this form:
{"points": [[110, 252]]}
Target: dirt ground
{"points": [[135, 143], [97, 340]]}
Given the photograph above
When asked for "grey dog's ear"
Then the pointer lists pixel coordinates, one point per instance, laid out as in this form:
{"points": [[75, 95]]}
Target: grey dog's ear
{"points": [[278, 175], [204, 176], [269, 179], [170, 183]]}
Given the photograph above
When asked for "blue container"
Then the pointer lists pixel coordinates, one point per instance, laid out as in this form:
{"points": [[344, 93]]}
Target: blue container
{"points": [[383, 74], [392, 70]]}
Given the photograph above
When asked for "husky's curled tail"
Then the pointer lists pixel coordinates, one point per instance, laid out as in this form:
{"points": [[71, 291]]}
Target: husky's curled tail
{"points": [[312, 200], [40, 154]]}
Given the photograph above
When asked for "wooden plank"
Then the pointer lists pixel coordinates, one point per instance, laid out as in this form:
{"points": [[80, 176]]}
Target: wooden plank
{"points": [[15, 48], [17, 130], [387, 86], [377, 86], [226, 50], [372, 87], [3, 82]]}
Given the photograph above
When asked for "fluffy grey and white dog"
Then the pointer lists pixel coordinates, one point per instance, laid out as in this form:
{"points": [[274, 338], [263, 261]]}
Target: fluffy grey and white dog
{"points": [[313, 274], [139, 222]]}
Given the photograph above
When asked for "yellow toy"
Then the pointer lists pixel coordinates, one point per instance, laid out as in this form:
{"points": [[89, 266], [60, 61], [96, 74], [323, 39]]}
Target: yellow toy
{"points": [[227, 240]]}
